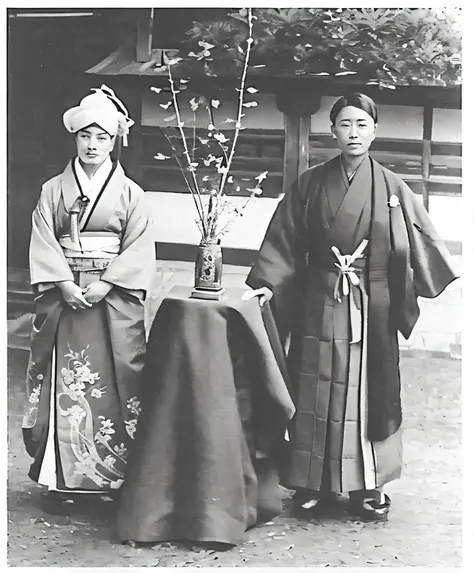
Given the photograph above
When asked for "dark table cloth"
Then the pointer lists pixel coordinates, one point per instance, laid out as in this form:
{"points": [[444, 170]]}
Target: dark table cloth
{"points": [[214, 406]]}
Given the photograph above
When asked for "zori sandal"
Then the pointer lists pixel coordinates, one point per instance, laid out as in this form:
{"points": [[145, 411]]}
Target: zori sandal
{"points": [[371, 509]]}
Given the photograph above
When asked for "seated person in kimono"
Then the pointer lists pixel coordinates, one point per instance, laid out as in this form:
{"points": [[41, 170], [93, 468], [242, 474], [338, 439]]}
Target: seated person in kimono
{"points": [[345, 257], [91, 260]]}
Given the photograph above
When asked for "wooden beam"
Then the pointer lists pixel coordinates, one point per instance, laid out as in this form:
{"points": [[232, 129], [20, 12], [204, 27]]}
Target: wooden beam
{"points": [[426, 152], [144, 34]]}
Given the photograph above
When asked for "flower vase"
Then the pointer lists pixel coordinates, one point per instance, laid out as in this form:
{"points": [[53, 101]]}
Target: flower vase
{"points": [[208, 271]]}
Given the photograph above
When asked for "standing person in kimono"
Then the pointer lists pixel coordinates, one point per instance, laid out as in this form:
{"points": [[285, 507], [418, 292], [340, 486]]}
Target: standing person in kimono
{"points": [[347, 253], [91, 261]]}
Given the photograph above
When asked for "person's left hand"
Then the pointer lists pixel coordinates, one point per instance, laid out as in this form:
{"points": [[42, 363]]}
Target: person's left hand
{"points": [[96, 291]]}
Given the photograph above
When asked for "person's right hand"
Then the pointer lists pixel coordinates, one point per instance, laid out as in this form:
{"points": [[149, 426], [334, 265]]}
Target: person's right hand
{"points": [[264, 294], [73, 295]]}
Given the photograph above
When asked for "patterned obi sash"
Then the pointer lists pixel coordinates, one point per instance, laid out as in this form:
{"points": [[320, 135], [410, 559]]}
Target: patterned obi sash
{"points": [[93, 253]]}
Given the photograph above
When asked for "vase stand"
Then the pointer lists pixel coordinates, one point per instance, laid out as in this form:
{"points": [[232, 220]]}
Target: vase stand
{"points": [[207, 294]]}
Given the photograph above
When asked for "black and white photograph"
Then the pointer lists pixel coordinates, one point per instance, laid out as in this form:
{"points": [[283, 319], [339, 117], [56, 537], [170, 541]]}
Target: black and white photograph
{"points": [[235, 325]]}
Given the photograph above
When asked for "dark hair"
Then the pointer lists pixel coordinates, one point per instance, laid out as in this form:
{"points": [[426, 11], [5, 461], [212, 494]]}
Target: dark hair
{"points": [[354, 99]]}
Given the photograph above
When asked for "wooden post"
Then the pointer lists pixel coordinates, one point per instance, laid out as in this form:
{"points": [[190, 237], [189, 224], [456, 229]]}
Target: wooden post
{"points": [[291, 157], [297, 109], [426, 152], [144, 34], [296, 159], [304, 131]]}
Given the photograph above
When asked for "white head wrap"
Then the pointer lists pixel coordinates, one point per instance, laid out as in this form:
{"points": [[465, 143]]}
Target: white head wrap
{"points": [[103, 108]]}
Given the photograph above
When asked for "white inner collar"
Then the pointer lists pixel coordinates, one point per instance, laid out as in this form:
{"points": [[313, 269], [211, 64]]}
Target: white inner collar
{"points": [[95, 183]]}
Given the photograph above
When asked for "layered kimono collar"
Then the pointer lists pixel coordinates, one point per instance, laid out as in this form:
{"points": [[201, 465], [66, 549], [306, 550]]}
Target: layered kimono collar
{"points": [[95, 183], [112, 188], [348, 179]]}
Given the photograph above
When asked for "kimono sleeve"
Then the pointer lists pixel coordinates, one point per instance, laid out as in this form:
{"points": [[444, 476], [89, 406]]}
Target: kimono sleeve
{"points": [[133, 268], [430, 259], [281, 255], [48, 264]]}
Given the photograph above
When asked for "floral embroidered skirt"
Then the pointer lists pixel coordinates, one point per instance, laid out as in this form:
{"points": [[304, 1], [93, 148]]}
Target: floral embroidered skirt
{"points": [[86, 413]]}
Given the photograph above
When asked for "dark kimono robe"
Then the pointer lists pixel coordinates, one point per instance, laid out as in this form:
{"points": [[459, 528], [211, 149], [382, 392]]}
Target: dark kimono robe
{"points": [[346, 262], [85, 365]]}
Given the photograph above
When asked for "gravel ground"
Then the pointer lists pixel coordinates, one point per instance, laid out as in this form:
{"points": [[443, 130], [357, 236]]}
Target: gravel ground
{"points": [[424, 527]]}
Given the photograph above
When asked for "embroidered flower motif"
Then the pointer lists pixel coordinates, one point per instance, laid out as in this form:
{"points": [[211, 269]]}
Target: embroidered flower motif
{"points": [[104, 435], [75, 413], [109, 461], [77, 387], [86, 467], [84, 374], [34, 396], [131, 426], [106, 426], [67, 376], [120, 450], [394, 201], [97, 392], [133, 404]]}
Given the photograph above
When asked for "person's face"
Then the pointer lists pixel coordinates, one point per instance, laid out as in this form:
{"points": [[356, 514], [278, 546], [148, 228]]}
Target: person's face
{"points": [[93, 145], [354, 131]]}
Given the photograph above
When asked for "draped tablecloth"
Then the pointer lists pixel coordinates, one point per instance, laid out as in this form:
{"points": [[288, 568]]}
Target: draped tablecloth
{"points": [[215, 404]]}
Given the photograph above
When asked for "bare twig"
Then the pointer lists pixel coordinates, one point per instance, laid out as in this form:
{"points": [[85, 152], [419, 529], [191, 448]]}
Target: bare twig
{"points": [[238, 212], [211, 120], [194, 133], [210, 214], [185, 143], [238, 124], [183, 172]]}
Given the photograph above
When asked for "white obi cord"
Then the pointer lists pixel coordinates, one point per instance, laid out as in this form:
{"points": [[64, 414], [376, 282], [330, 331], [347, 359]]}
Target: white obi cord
{"points": [[346, 280]]}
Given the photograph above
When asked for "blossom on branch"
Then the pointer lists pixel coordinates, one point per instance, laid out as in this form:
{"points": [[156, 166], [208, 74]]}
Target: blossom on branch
{"points": [[216, 213]]}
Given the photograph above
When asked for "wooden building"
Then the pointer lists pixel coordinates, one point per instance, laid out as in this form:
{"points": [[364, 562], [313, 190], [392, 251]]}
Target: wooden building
{"points": [[55, 58]]}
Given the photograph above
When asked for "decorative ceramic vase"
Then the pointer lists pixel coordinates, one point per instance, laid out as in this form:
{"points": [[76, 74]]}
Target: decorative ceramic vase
{"points": [[208, 270]]}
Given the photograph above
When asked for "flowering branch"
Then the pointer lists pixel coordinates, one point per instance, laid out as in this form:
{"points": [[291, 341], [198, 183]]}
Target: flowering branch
{"points": [[218, 206], [185, 144], [194, 133], [238, 211], [178, 161], [218, 136], [240, 115]]}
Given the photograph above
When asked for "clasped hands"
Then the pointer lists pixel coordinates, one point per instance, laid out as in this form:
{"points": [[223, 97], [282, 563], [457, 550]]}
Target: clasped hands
{"points": [[264, 294], [82, 298]]}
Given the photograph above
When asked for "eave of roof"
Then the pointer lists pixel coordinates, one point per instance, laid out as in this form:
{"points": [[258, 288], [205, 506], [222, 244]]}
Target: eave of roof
{"points": [[122, 62]]}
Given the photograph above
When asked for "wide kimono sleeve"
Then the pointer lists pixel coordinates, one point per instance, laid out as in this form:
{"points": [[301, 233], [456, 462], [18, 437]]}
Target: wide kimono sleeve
{"points": [[133, 268], [281, 259], [430, 259], [48, 264]]}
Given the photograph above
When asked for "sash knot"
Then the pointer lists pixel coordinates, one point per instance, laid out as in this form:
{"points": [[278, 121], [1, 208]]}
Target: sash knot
{"points": [[346, 279]]}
